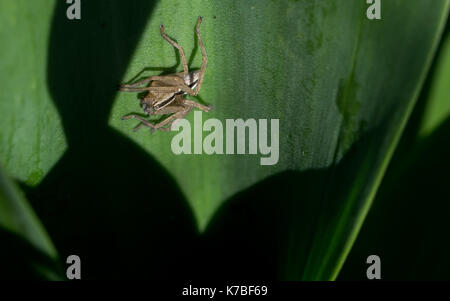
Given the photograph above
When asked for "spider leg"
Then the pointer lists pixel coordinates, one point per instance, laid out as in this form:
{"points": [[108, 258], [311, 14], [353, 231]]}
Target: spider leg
{"points": [[138, 127], [198, 106], [171, 120], [205, 58], [142, 82], [181, 114], [174, 84], [141, 119], [154, 89], [186, 89], [180, 49], [168, 110]]}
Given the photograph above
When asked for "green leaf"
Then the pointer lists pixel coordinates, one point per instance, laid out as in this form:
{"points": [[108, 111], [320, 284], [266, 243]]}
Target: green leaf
{"points": [[408, 224], [342, 87], [412, 201], [18, 219], [31, 136], [438, 103]]}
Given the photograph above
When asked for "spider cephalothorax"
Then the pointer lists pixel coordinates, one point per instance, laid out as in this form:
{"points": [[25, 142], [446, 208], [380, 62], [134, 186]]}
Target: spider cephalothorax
{"points": [[165, 92]]}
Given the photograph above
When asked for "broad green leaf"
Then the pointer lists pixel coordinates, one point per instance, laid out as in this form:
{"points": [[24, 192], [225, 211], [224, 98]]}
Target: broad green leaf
{"points": [[341, 85], [31, 136], [18, 219]]}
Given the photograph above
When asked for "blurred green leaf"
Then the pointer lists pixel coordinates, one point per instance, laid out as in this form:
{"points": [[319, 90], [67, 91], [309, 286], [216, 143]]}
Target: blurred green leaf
{"points": [[31, 136], [408, 224], [438, 103], [341, 85], [18, 219], [412, 201]]}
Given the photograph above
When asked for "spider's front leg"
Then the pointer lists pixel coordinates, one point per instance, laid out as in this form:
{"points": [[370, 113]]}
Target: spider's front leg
{"points": [[201, 74], [205, 58], [180, 49]]}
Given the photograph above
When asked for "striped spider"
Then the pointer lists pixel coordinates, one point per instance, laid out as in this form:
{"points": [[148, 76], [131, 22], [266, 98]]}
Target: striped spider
{"points": [[165, 93]]}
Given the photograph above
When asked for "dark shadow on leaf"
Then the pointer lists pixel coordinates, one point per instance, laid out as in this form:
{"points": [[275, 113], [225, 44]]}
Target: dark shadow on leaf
{"points": [[267, 230], [106, 200], [413, 205], [112, 204], [20, 260]]}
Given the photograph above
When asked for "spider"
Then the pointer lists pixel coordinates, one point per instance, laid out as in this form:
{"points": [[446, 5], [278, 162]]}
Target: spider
{"points": [[165, 93]]}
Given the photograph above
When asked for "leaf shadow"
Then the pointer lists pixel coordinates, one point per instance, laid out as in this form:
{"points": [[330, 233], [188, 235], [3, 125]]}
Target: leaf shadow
{"points": [[21, 260], [271, 230], [109, 202], [106, 199], [412, 202]]}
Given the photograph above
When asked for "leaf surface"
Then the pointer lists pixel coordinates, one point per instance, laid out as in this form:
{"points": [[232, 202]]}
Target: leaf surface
{"points": [[342, 87]]}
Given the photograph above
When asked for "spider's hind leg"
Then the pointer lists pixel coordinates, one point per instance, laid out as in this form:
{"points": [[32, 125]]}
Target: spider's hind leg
{"points": [[169, 120], [141, 119]]}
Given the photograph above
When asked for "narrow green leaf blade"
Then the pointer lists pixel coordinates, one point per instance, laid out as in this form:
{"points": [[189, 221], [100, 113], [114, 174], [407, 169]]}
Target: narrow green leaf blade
{"points": [[17, 218]]}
